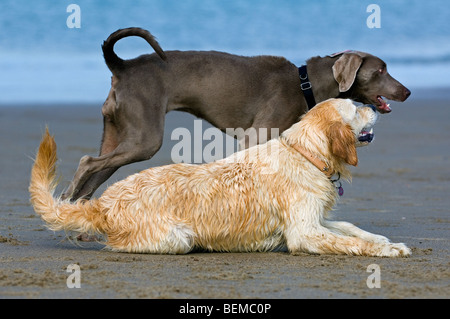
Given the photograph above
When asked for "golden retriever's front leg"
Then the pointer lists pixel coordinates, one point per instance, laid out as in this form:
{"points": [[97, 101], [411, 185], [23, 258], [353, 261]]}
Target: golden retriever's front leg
{"points": [[348, 229], [308, 235], [329, 243]]}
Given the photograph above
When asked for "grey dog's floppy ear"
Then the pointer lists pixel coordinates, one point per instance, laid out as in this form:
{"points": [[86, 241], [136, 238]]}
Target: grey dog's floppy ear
{"points": [[345, 69]]}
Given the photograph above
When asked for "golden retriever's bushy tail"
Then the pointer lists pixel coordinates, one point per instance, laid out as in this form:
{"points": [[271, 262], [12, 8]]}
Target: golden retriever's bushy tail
{"points": [[81, 216]]}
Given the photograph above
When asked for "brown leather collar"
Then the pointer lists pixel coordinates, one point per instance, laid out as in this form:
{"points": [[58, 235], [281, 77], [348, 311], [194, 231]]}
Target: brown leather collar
{"points": [[322, 166]]}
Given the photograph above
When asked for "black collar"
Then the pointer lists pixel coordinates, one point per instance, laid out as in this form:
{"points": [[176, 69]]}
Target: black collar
{"points": [[306, 87]]}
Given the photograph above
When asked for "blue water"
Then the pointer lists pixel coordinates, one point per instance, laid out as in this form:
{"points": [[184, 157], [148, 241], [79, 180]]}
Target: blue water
{"points": [[42, 60]]}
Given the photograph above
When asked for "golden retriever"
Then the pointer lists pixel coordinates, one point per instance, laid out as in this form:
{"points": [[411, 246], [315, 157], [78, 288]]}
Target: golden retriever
{"points": [[266, 197]]}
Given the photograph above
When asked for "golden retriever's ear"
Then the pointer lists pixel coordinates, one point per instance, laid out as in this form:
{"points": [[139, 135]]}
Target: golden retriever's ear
{"points": [[343, 144]]}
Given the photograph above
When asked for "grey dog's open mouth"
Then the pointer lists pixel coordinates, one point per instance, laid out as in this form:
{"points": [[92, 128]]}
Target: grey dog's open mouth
{"points": [[383, 107], [366, 135]]}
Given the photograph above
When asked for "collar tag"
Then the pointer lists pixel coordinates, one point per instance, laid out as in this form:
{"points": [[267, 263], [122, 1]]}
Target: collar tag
{"points": [[338, 185]]}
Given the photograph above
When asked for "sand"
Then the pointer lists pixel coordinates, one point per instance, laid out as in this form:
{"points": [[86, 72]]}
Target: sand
{"points": [[400, 189]]}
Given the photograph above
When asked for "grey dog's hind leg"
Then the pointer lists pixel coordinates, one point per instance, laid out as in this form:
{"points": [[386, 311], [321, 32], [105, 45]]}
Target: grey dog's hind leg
{"points": [[137, 139]]}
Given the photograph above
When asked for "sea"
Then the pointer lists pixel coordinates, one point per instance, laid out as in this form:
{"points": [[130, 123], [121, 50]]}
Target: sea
{"points": [[50, 50]]}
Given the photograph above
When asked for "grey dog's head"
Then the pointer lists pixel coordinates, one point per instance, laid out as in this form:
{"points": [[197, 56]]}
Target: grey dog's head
{"points": [[364, 78]]}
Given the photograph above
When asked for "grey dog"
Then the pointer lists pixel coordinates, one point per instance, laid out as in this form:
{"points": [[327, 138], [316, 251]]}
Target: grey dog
{"points": [[228, 91]]}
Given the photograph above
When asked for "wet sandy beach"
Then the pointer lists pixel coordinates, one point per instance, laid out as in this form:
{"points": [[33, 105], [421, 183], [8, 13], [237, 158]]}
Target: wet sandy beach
{"points": [[400, 190]]}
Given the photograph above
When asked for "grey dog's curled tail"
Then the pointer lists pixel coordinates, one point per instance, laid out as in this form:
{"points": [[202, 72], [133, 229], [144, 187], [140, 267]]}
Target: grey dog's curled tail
{"points": [[115, 63]]}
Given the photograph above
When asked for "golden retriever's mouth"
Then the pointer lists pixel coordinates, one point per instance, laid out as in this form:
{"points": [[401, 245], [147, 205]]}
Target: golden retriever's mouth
{"points": [[366, 135]]}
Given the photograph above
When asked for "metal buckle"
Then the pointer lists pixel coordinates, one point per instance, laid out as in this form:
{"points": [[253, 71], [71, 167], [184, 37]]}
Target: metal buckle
{"points": [[306, 86]]}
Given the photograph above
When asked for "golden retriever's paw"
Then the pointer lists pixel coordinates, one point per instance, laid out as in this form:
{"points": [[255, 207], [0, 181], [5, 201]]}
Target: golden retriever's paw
{"points": [[395, 250], [379, 239]]}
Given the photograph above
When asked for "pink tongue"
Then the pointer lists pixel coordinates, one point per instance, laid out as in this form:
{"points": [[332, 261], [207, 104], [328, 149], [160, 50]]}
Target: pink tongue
{"points": [[384, 105]]}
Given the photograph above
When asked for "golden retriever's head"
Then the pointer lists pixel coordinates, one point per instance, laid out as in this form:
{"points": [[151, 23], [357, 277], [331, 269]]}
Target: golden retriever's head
{"points": [[334, 128]]}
